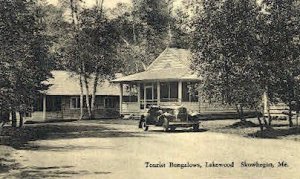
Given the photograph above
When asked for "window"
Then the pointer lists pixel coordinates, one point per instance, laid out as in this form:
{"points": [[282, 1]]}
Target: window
{"points": [[132, 92], [75, 103], [53, 103], [168, 91], [99, 102], [109, 103], [189, 92]]}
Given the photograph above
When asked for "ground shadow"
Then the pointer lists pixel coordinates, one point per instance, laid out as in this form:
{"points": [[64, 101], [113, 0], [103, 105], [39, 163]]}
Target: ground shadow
{"points": [[280, 125], [276, 133], [52, 172], [7, 164], [242, 124], [178, 131], [18, 138]]}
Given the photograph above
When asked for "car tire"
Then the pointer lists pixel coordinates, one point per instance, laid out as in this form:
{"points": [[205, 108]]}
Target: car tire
{"points": [[144, 126], [141, 121], [196, 127], [172, 128], [166, 125]]}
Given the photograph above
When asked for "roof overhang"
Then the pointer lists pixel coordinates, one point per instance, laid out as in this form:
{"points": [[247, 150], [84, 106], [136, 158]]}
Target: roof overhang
{"points": [[172, 74]]}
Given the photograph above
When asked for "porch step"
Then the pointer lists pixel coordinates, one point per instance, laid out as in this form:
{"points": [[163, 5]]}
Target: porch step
{"points": [[131, 116]]}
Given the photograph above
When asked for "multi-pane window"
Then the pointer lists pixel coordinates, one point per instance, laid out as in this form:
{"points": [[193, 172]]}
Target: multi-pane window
{"points": [[168, 91], [132, 92], [75, 103]]}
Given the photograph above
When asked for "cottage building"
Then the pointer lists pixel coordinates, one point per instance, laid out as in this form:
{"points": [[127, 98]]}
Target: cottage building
{"points": [[62, 100], [167, 81]]}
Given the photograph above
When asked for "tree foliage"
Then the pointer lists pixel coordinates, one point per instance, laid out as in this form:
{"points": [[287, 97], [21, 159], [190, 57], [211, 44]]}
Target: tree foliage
{"points": [[223, 42], [243, 48], [24, 55]]}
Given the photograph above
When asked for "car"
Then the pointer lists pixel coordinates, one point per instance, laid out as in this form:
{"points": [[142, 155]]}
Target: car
{"points": [[168, 117]]}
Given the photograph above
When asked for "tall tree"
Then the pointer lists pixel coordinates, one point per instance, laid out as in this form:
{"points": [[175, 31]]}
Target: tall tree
{"points": [[224, 43], [155, 17], [24, 56], [278, 33], [92, 52], [242, 49]]}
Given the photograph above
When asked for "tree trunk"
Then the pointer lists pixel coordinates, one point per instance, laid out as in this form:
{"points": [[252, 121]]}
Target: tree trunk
{"points": [[239, 109], [133, 31], [21, 119], [73, 11], [269, 114], [290, 114], [297, 117], [87, 96], [95, 84], [261, 126], [266, 122], [101, 8], [81, 97], [242, 113], [291, 86], [13, 119]]}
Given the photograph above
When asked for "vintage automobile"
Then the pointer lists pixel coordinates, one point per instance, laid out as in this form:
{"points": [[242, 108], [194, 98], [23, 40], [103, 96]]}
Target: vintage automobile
{"points": [[169, 117]]}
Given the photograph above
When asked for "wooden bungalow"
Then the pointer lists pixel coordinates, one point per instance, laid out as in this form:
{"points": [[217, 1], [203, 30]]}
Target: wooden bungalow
{"points": [[167, 81], [62, 100]]}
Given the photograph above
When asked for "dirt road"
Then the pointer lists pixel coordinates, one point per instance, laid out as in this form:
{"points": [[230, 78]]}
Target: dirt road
{"points": [[124, 150]]}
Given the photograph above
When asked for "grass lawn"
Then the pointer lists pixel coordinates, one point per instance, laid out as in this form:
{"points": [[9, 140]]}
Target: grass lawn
{"points": [[280, 129]]}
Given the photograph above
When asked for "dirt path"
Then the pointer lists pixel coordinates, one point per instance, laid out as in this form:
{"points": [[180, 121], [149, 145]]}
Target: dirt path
{"points": [[124, 156]]}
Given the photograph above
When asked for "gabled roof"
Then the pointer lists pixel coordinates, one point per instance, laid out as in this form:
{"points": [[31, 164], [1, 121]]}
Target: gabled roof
{"points": [[66, 83], [171, 64], [171, 58]]}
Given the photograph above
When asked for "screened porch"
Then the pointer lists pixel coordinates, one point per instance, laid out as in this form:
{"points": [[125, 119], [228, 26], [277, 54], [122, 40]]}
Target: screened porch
{"points": [[164, 93]]}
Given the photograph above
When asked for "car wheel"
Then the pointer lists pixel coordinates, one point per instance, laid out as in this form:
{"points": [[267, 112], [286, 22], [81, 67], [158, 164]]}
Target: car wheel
{"points": [[166, 125], [144, 126], [172, 128], [141, 121], [196, 127]]}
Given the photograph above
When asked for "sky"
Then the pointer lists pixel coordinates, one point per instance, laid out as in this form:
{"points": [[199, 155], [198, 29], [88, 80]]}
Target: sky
{"points": [[106, 3]]}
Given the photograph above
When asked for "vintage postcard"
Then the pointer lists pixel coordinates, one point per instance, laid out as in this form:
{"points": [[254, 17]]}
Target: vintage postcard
{"points": [[150, 89]]}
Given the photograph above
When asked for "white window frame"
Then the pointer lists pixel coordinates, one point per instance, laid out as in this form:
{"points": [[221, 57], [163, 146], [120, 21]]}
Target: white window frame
{"points": [[76, 99]]}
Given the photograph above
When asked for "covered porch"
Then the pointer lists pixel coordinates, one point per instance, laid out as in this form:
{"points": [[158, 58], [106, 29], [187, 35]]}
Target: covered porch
{"points": [[167, 81], [164, 93]]}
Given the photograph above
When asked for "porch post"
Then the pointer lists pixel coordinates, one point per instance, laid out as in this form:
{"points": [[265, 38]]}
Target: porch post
{"points": [[139, 95], [158, 92], [145, 96], [199, 101], [180, 91], [121, 97], [44, 106]]}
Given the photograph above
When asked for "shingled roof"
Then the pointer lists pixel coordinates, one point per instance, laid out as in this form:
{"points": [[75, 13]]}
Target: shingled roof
{"points": [[171, 64], [66, 83]]}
